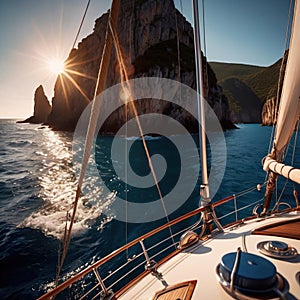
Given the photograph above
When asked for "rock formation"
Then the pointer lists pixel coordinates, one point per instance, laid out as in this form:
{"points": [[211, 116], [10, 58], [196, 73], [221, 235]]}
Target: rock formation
{"points": [[270, 108], [269, 112], [42, 108], [147, 33]]}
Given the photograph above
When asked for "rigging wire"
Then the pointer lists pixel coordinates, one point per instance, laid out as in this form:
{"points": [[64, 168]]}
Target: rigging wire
{"points": [[181, 7], [293, 156], [292, 163], [126, 180], [280, 83], [236, 196], [178, 52], [204, 30], [295, 142], [100, 84], [126, 130], [127, 87], [81, 23], [205, 64], [279, 86], [66, 235], [178, 48]]}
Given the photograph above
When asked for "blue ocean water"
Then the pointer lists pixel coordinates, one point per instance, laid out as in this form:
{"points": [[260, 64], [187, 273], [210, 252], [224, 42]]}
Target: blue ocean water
{"points": [[37, 186]]}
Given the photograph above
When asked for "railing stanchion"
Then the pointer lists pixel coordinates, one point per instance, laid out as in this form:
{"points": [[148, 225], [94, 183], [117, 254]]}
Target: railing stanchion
{"points": [[235, 208], [105, 294]]}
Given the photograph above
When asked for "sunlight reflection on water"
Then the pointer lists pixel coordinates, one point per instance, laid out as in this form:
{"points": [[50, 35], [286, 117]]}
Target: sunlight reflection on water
{"points": [[58, 186]]}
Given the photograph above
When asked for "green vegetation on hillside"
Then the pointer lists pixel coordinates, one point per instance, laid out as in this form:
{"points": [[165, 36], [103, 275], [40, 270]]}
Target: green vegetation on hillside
{"points": [[261, 80], [264, 83], [247, 87], [226, 70]]}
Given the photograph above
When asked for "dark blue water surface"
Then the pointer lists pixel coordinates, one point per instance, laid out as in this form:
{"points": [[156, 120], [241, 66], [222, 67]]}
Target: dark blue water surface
{"points": [[37, 186]]}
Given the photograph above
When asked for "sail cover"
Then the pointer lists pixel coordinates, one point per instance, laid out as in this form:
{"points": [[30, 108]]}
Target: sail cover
{"points": [[289, 109]]}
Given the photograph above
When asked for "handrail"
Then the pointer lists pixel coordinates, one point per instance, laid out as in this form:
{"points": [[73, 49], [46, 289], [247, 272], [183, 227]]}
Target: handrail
{"points": [[224, 200], [107, 258]]}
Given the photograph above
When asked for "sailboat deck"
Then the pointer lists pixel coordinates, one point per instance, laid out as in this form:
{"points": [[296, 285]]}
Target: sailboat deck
{"points": [[200, 262], [182, 291], [288, 229]]}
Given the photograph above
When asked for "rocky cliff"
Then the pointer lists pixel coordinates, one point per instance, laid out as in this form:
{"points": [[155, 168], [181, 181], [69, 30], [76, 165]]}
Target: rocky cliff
{"points": [[245, 104], [42, 107], [270, 108], [147, 33], [269, 112]]}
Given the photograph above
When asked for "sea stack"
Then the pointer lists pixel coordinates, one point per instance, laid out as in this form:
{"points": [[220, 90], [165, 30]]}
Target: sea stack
{"points": [[42, 107]]}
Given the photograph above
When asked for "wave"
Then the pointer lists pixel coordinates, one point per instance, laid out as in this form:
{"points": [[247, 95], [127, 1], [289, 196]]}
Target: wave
{"points": [[146, 137], [57, 184]]}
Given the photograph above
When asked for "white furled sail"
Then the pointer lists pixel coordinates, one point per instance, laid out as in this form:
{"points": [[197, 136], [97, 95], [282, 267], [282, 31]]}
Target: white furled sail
{"points": [[288, 114], [282, 169], [289, 109]]}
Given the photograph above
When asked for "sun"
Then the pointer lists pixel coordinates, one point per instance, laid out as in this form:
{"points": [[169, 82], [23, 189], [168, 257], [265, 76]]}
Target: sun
{"points": [[56, 66]]}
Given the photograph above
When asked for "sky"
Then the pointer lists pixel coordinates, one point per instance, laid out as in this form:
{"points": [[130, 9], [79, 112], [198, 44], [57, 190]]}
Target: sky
{"points": [[34, 32]]}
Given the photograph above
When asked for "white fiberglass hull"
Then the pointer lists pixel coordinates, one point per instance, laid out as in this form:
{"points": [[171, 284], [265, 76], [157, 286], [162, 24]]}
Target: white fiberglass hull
{"points": [[199, 263]]}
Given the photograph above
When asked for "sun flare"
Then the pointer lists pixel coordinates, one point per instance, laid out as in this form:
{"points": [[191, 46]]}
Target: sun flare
{"points": [[56, 66]]}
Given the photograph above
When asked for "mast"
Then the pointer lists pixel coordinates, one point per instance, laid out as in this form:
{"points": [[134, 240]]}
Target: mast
{"points": [[208, 215], [288, 114], [201, 112]]}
